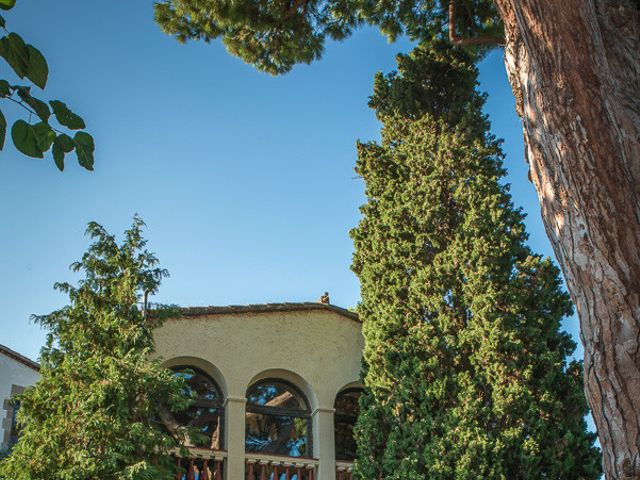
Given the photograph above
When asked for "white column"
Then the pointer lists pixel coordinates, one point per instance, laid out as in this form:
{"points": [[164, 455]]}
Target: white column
{"points": [[324, 443], [234, 415]]}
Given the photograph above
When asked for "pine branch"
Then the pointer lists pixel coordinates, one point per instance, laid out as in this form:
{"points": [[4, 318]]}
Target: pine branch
{"points": [[480, 40]]}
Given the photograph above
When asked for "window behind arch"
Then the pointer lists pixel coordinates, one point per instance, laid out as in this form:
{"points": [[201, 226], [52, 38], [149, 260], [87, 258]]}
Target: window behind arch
{"points": [[278, 420], [346, 414], [14, 432], [206, 414]]}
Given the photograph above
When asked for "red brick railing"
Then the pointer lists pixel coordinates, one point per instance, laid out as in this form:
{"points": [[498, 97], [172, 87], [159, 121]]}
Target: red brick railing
{"points": [[264, 467], [344, 470], [202, 464]]}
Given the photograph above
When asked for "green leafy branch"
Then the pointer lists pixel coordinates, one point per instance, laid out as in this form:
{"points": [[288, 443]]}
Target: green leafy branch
{"points": [[35, 139]]}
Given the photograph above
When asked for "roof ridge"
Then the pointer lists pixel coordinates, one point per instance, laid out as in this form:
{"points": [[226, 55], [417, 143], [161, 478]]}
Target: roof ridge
{"points": [[266, 307]]}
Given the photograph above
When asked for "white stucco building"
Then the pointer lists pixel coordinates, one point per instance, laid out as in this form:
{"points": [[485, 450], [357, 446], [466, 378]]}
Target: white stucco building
{"points": [[277, 388], [16, 373]]}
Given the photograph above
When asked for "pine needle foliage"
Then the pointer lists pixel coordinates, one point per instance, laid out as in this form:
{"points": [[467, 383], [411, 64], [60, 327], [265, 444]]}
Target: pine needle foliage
{"points": [[93, 414], [468, 374], [275, 35]]}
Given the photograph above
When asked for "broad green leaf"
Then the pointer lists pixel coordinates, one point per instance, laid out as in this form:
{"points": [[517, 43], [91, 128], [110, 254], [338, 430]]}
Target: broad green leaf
{"points": [[65, 142], [5, 88], [84, 149], [44, 135], [65, 116], [58, 156], [38, 70], [15, 52], [61, 145], [24, 138], [40, 107], [7, 5], [3, 129]]}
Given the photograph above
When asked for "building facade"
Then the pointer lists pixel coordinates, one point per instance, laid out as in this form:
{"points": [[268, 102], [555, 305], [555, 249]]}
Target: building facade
{"points": [[16, 373], [276, 388]]}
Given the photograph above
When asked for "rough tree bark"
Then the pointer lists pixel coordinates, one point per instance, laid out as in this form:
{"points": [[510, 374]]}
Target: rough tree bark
{"points": [[574, 66]]}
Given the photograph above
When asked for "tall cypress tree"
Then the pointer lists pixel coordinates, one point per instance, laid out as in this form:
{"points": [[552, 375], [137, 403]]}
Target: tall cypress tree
{"points": [[468, 373], [94, 412]]}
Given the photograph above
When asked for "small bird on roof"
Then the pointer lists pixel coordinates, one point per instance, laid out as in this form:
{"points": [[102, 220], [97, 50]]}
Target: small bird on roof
{"points": [[324, 298]]}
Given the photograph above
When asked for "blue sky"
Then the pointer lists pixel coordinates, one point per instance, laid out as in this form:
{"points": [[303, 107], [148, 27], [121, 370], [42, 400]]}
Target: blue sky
{"points": [[245, 180]]}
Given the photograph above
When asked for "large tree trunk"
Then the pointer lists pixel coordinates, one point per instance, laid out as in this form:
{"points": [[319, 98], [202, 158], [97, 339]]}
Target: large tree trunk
{"points": [[575, 70]]}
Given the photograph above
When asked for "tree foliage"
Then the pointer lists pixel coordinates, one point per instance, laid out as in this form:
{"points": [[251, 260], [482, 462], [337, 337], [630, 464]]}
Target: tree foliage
{"points": [[94, 412], [37, 135], [467, 370], [274, 35]]}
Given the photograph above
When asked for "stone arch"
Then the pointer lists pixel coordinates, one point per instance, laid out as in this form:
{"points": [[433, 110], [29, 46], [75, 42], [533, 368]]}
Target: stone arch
{"points": [[291, 377], [350, 386], [207, 367]]}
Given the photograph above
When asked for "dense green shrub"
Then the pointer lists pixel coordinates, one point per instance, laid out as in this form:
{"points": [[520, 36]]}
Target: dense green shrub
{"points": [[93, 415], [468, 373]]}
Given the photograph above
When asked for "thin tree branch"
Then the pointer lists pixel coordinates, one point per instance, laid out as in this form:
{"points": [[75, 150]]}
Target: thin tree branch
{"points": [[175, 428], [469, 14], [31, 112], [145, 306]]}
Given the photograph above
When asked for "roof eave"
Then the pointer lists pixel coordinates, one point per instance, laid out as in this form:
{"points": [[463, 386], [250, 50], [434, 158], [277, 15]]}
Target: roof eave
{"points": [[19, 358], [266, 308]]}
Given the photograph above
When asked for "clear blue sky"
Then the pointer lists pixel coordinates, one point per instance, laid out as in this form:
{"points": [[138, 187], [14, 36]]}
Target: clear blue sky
{"points": [[245, 181]]}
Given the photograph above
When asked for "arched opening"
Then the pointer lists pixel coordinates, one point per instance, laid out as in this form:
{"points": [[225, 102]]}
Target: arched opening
{"points": [[347, 409], [201, 364], [205, 416], [292, 378], [278, 419]]}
